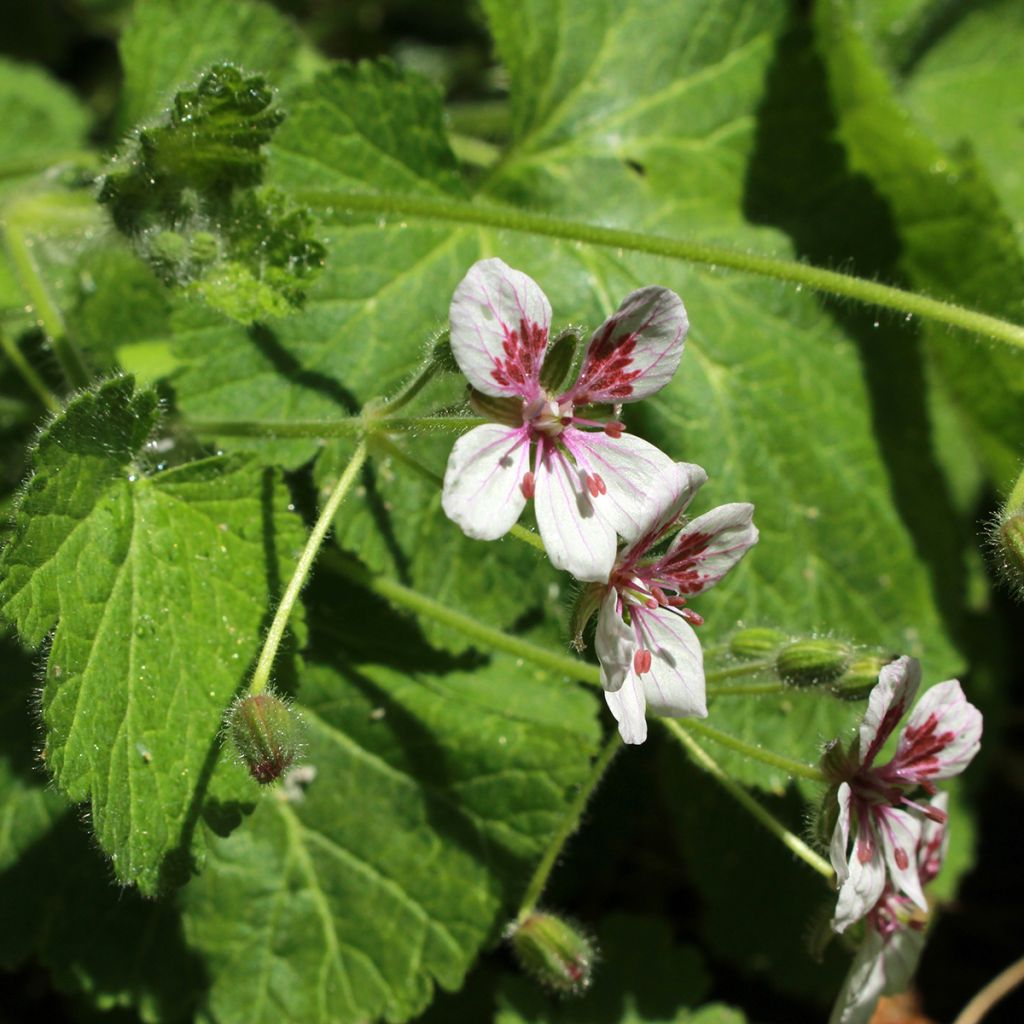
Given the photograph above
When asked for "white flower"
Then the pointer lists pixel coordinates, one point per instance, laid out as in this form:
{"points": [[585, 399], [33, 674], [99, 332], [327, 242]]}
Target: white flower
{"points": [[650, 656], [880, 822], [587, 484]]}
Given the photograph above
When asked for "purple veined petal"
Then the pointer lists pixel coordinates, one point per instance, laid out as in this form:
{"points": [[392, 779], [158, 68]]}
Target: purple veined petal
{"points": [[500, 321], [882, 966], [900, 833], [628, 706], [674, 685], [576, 537], [683, 481], [708, 547], [615, 643], [888, 703], [639, 479], [859, 866], [635, 351], [482, 483], [940, 738]]}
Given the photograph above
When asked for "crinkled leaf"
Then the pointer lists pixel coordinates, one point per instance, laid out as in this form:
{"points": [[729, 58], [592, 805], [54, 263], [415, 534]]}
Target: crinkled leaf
{"points": [[958, 241], [345, 899], [151, 590], [183, 192]]}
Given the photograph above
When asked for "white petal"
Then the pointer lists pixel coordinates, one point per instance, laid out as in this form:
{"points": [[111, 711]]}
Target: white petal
{"points": [[861, 883], [575, 536], [840, 845], [888, 703], [674, 686], [615, 643], [500, 321], [708, 547], [636, 350], [627, 705], [482, 490], [941, 736], [931, 852], [901, 833], [640, 479], [683, 482], [882, 966]]}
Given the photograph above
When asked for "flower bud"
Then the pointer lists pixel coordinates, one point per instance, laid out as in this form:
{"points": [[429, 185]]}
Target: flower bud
{"points": [[558, 360], [1008, 541], [808, 662], [553, 951], [860, 677], [266, 733], [752, 644]]}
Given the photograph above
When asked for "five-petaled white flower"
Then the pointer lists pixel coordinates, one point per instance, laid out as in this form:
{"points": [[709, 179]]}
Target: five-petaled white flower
{"points": [[880, 826], [649, 654], [894, 936], [587, 484]]}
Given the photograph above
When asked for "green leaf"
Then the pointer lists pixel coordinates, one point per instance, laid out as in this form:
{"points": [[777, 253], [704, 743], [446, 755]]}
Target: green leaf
{"points": [[670, 138], [957, 240], [642, 976], [168, 43], [152, 589], [59, 904], [184, 195], [41, 122], [434, 791]]}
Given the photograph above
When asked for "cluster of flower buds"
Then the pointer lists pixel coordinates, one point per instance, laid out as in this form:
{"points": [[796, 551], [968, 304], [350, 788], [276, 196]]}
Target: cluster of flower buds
{"points": [[590, 481], [817, 661]]}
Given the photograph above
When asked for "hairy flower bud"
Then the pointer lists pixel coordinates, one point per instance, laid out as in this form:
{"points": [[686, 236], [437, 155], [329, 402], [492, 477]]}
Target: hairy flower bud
{"points": [[860, 677], [1007, 540], [266, 732], [808, 662], [759, 642], [553, 951]]}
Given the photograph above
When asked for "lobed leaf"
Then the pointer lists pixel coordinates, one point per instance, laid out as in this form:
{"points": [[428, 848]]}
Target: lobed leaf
{"points": [[150, 590]]}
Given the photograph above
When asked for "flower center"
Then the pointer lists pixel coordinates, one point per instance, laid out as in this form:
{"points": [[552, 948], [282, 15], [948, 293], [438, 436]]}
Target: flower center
{"points": [[546, 415]]}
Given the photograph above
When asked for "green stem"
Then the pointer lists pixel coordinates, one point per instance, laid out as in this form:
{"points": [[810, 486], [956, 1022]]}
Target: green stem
{"points": [[1016, 499], [570, 823], [344, 426], [261, 676], [28, 372], [830, 282], [746, 801], [47, 313], [786, 764]]}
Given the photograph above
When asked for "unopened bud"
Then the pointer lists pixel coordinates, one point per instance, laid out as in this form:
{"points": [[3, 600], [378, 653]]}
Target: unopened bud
{"points": [[267, 734], [558, 360], [1008, 542], [808, 662], [553, 951], [860, 677], [168, 249], [752, 644]]}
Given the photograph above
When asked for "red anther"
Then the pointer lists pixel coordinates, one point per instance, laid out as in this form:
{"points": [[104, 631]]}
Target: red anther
{"points": [[864, 852], [902, 860], [566, 420], [527, 485], [601, 486], [659, 595], [642, 661], [651, 603], [593, 485], [938, 816], [692, 617], [613, 428]]}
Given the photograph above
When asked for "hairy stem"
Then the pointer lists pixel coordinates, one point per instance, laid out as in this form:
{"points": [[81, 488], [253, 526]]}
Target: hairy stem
{"points": [[570, 823], [786, 764], [344, 426], [830, 282], [261, 676], [745, 800]]}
